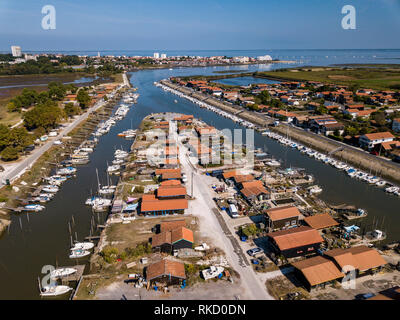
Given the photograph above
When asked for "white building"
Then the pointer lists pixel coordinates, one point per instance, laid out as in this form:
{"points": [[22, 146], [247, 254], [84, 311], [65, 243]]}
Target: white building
{"points": [[241, 59], [163, 56], [16, 51], [264, 58], [156, 55], [30, 57], [370, 140]]}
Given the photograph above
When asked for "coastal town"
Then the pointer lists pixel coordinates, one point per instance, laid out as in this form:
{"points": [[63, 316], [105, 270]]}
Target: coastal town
{"points": [[187, 213]]}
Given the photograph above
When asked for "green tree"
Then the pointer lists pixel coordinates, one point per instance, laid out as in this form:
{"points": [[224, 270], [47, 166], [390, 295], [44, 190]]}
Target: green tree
{"points": [[57, 90], [43, 115], [9, 154], [71, 110], [83, 98]]}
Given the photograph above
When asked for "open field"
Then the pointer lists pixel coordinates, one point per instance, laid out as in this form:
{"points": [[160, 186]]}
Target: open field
{"points": [[380, 78]]}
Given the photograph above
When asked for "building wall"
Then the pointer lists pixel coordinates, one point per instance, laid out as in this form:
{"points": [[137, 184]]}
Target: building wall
{"points": [[282, 223], [182, 244]]}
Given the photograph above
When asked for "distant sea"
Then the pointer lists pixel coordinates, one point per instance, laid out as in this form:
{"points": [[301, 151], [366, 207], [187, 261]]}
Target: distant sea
{"points": [[302, 57]]}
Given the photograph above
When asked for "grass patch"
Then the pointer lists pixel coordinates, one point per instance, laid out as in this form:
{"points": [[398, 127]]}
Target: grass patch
{"points": [[379, 78]]}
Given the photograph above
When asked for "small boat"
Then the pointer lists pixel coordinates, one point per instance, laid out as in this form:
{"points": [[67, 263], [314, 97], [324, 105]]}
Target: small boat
{"points": [[76, 254], [113, 168], [380, 183], [34, 207], [50, 188], [53, 291], [273, 163], [62, 272], [83, 246], [314, 189], [212, 272]]}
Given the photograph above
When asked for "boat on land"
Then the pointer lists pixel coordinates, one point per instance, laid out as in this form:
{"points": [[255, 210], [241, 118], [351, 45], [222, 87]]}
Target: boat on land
{"points": [[212, 272]]}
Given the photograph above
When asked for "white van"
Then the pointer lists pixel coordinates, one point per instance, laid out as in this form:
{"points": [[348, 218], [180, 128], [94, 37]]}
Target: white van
{"points": [[233, 211]]}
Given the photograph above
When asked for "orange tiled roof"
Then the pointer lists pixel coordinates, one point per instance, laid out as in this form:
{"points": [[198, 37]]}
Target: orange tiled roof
{"points": [[296, 237], [281, 213], [165, 268]]}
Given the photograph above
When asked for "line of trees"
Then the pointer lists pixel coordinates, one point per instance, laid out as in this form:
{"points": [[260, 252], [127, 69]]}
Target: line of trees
{"points": [[13, 141]]}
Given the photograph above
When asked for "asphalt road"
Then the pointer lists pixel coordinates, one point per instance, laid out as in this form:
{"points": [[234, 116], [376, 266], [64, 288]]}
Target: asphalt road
{"points": [[209, 211]]}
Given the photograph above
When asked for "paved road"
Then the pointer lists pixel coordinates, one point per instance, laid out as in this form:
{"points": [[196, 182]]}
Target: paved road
{"points": [[20, 168], [209, 211]]}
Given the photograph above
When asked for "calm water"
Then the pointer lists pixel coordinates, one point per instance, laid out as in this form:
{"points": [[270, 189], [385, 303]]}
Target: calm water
{"points": [[44, 238]]}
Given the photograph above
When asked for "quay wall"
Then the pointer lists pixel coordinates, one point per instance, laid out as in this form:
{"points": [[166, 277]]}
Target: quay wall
{"points": [[351, 155]]}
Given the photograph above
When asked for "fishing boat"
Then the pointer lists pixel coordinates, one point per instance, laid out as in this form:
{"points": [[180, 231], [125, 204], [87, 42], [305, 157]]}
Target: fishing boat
{"points": [[392, 189], [66, 171], [118, 161], [55, 290], [314, 189], [82, 246], [76, 254], [50, 188], [113, 168], [273, 163], [380, 183], [62, 272], [34, 207], [107, 190]]}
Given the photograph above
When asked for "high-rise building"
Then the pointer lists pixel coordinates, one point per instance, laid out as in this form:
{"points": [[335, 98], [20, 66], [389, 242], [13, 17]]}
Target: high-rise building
{"points": [[156, 55], [16, 51], [163, 55]]}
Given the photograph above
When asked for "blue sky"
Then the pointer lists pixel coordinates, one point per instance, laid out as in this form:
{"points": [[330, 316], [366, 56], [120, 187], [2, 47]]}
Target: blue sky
{"points": [[198, 25]]}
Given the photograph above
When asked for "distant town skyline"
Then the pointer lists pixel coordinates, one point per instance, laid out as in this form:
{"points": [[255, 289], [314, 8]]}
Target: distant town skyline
{"points": [[185, 25]]}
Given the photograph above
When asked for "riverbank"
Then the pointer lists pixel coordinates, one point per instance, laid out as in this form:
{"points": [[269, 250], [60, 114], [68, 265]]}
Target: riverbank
{"points": [[355, 157], [25, 175]]}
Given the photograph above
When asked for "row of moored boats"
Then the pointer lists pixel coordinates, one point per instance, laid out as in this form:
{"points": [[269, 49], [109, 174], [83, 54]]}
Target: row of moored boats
{"points": [[349, 170]]}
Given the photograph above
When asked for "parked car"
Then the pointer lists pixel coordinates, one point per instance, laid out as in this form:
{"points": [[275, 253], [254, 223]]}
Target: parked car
{"points": [[1, 168], [254, 251]]}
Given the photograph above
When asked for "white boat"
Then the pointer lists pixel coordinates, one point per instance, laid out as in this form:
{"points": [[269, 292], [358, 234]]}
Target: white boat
{"points": [[62, 272], [50, 188], [273, 163], [381, 183], [212, 272], [83, 246], [76, 254], [107, 190], [53, 291], [34, 207], [392, 189], [113, 168], [314, 189], [118, 162]]}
